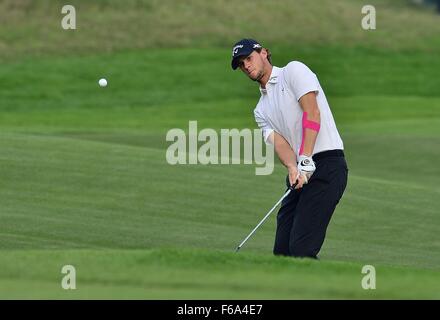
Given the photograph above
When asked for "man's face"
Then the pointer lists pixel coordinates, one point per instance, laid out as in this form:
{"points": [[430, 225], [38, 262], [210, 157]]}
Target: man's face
{"points": [[252, 65]]}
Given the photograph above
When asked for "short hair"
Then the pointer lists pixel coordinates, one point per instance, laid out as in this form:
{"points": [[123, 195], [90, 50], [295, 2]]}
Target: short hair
{"points": [[269, 54]]}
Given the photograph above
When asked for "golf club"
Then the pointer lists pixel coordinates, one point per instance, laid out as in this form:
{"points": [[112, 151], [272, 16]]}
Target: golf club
{"points": [[266, 216]]}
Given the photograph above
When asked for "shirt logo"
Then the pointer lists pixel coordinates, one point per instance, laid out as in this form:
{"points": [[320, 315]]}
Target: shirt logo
{"points": [[273, 79]]}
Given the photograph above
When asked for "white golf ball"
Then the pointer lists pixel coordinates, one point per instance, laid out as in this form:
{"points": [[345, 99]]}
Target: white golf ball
{"points": [[102, 82]]}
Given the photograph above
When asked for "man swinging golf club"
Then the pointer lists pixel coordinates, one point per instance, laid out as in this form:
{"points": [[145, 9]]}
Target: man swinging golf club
{"points": [[294, 116]]}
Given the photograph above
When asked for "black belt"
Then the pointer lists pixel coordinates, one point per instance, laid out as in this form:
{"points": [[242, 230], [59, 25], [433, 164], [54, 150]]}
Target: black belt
{"points": [[326, 154]]}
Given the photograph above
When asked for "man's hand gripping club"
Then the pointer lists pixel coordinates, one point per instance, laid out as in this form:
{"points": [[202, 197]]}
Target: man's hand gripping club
{"points": [[306, 167]]}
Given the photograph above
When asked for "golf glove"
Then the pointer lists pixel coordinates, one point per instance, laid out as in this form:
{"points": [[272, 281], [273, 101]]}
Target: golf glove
{"points": [[306, 167]]}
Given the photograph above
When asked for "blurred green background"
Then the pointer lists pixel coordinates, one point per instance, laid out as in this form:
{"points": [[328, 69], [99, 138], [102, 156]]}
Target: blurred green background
{"points": [[83, 174]]}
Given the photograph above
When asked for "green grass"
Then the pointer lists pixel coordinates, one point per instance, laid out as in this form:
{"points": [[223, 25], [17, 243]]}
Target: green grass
{"points": [[174, 74], [84, 179], [200, 274], [34, 27]]}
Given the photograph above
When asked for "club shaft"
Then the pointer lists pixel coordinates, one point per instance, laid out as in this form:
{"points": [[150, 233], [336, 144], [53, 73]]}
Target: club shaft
{"points": [[264, 219]]}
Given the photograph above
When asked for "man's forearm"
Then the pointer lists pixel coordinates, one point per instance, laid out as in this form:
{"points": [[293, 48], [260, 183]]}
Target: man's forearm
{"points": [[311, 123], [310, 135], [283, 150]]}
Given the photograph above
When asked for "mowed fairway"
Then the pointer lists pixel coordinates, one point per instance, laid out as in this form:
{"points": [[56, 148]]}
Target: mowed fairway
{"points": [[84, 179]]}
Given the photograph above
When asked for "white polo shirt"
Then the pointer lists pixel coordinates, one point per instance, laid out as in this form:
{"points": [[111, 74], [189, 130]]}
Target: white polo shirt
{"points": [[279, 110]]}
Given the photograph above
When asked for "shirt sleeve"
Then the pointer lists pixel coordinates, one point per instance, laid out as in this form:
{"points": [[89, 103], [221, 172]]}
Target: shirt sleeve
{"points": [[264, 126], [301, 80]]}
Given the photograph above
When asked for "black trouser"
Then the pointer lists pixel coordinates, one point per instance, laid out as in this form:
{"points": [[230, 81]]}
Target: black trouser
{"points": [[305, 213]]}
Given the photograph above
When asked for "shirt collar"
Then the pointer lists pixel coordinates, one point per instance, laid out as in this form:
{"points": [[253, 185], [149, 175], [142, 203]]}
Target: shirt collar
{"points": [[273, 79]]}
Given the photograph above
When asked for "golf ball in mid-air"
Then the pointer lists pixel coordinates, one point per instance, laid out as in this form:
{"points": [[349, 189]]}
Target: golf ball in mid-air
{"points": [[102, 82]]}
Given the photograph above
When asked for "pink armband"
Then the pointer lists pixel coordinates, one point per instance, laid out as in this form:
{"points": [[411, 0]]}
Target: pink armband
{"points": [[310, 125]]}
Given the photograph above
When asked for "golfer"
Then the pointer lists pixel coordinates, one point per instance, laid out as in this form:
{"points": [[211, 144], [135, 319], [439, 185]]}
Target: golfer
{"points": [[294, 116]]}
